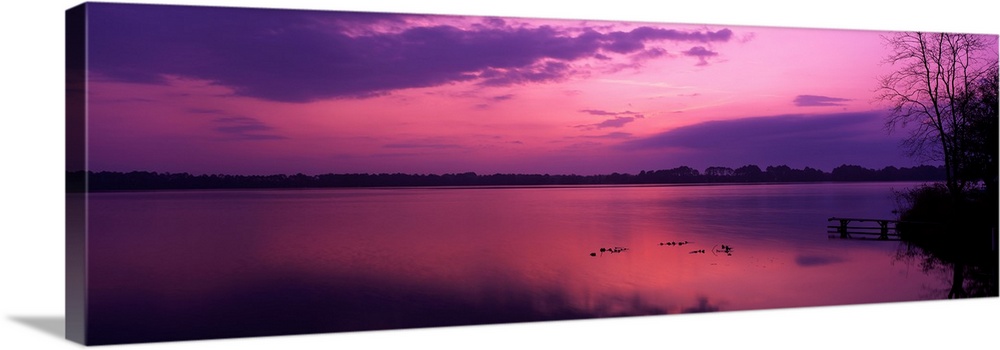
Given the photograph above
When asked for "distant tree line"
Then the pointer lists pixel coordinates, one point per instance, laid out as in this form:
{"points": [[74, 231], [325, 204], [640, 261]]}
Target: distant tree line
{"points": [[144, 180]]}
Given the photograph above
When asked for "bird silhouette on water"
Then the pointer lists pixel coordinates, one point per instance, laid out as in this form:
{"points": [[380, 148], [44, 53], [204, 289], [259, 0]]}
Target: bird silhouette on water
{"points": [[725, 249], [610, 250]]}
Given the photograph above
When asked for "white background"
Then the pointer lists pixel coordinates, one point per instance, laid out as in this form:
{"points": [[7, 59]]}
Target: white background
{"points": [[32, 223]]}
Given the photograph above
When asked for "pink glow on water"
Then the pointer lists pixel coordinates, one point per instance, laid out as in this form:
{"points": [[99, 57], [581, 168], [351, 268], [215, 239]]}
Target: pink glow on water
{"points": [[478, 245], [247, 263]]}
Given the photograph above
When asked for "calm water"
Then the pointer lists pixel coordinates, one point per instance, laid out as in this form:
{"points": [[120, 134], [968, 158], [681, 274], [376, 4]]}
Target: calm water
{"points": [[198, 264]]}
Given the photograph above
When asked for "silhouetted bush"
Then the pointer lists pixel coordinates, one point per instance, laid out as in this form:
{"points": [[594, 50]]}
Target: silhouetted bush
{"points": [[958, 233]]}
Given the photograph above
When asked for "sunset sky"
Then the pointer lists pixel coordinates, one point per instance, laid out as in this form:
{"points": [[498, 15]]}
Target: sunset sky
{"points": [[246, 91]]}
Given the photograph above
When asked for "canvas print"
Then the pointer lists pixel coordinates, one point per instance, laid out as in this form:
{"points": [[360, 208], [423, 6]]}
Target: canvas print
{"points": [[237, 172]]}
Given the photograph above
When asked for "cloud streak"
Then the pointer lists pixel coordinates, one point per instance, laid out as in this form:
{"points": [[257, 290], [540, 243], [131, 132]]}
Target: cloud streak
{"points": [[619, 119], [818, 101], [423, 145], [245, 128], [301, 56], [599, 112], [613, 135], [817, 140], [615, 122]]}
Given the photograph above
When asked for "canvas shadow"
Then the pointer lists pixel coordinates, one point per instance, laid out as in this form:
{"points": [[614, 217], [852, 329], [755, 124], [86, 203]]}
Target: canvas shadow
{"points": [[52, 325]]}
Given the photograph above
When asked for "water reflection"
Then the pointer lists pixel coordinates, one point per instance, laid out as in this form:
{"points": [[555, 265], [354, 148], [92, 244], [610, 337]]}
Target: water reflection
{"points": [[191, 265], [703, 306], [817, 260]]}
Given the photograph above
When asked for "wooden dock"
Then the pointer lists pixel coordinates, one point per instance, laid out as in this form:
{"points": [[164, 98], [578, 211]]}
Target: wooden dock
{"points": [[854, 228]]}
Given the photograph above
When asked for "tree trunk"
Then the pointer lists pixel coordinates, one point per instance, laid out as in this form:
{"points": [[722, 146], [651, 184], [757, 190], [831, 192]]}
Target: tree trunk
{"points": [[958, 282]]}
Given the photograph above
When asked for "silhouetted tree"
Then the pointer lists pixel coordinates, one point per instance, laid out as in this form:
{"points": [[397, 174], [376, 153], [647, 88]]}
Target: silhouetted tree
{"points": [[682, 174], [978, 134], [945, 87], [718, 171], [852, 173], [144, 180], [778, 173], [748, 173], [930, 91], [810, 174]]}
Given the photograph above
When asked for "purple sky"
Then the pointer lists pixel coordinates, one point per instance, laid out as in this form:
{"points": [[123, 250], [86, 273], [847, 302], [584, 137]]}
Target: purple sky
{"points": [[251, 91]]}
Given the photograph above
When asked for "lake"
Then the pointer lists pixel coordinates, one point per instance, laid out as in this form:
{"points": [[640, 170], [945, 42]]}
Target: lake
{"points": [[175, 265]]}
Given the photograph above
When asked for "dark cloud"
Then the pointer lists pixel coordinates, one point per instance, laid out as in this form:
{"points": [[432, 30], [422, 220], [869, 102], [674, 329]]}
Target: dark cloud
{"points": [[614, 135], [598, 112], [619, 120], [615, 122], [651, 53], [244, 128], [631, 39], [300, 56], [701, 53], [539, 73], [818, 101], [824, 141], [494, 22], [491, 99]]}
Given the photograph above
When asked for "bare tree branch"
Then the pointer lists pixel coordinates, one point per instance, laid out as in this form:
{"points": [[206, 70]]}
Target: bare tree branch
{"points": [[930, 94]]}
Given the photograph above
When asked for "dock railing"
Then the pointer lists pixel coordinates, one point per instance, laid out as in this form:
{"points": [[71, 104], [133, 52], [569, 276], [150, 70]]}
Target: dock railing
{"points": [[881, 229]]}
